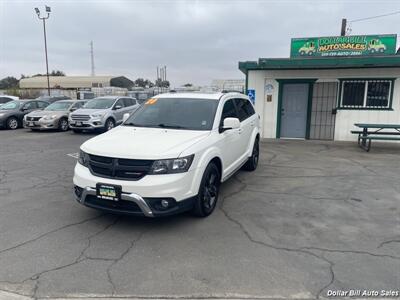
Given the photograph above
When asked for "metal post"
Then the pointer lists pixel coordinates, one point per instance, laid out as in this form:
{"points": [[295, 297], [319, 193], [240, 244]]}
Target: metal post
{"points": [[343, 29], [47, 61]]}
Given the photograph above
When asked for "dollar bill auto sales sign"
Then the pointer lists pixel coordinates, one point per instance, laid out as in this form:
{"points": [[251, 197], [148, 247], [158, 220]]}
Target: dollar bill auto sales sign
{"points": [[354, 45]]}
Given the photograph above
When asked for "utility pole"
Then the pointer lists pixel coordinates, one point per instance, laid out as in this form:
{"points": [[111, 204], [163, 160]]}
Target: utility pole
{"points": [[92, 57], [48, 10], [343, 29]]}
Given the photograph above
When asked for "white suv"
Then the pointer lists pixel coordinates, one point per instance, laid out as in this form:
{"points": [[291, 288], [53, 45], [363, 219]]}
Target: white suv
{"points": [[169, 156]]}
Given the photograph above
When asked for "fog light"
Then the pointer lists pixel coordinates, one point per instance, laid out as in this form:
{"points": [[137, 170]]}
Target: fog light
{"points": [[164, 203]]}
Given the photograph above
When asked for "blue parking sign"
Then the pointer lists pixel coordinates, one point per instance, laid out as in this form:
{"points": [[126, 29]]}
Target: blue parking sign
{"points": [[252, 95]]}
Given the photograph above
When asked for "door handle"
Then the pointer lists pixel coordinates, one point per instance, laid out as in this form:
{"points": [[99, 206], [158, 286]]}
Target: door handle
{"points": [[240, 130]]}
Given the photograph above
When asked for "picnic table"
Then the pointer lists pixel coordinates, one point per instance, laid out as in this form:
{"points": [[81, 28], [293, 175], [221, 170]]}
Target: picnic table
{"points": [[369, 132]]}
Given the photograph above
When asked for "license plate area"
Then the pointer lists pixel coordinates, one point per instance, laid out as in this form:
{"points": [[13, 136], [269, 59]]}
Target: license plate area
{"points": [[108, 191], [31, 124], [78, 124]]}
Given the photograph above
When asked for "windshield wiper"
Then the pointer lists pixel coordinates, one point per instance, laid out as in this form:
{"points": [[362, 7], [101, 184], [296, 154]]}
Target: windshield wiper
{"points": [[162, 125], [133, 124]]}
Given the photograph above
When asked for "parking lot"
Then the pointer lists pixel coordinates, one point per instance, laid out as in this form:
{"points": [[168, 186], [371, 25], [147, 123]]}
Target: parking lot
{"points": [[314, 216]]}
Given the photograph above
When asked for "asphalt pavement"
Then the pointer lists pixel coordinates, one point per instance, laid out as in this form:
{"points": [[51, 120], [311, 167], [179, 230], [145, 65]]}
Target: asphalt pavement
{"points": [[315, 217]]}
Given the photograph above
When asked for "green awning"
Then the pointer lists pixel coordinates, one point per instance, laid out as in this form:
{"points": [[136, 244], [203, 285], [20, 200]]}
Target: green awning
{"points": [[389, 61]]}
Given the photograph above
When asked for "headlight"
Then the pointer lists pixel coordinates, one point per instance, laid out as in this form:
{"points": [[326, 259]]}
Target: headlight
{"points": [[170, 166], [98, 115], [50, 117], [83, 158]]}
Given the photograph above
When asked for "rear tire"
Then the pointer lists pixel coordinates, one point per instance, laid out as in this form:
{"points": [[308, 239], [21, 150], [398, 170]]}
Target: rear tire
{"points": [[77, 130], [206, 199], [252, 162], [12, 123], [63, 124]]}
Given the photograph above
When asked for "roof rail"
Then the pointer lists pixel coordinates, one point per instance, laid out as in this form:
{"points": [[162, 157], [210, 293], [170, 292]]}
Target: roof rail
{"points": [[231, 91]]}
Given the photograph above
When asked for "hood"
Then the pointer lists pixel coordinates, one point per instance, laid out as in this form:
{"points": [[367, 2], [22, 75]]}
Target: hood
{"points": [[42, 113], [88, 111], [143, 143]]}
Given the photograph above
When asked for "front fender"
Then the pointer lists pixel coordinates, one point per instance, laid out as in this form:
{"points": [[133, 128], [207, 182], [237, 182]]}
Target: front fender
{"points": [[202, 164]]}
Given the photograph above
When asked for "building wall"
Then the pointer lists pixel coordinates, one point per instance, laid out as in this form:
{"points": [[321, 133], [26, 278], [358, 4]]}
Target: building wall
{"points": [[345, 119]]}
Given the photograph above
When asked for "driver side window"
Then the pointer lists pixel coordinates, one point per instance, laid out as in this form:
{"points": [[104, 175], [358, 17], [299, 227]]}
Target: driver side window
{"points": [[29, 106], [229, 111], [120, 102]]}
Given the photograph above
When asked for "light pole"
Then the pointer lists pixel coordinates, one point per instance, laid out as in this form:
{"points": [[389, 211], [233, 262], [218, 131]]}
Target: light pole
{"points": [[48, 10]]}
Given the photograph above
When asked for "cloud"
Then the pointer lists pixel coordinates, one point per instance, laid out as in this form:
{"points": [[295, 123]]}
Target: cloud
{"points": [[197, 40]]}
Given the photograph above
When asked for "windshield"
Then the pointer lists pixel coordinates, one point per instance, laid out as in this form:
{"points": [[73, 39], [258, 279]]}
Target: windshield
{"points": [[58, 106], [11, 105], [100, 103], [176, 113]]}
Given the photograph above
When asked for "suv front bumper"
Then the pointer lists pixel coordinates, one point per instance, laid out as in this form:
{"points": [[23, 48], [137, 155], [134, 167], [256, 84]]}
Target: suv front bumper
{"points": [[91, 124], [132, 204], [140, 197]]}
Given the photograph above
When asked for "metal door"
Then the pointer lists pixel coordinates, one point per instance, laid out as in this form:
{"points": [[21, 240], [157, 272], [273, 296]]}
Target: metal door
{"points": [[294, 110], [323, 109]]}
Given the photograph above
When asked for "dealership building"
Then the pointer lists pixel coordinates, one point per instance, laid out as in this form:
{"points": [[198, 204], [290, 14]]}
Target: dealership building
{"points": [[326, 86]]}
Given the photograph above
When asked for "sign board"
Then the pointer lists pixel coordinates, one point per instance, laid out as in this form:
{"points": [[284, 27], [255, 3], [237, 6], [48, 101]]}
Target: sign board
{"points": [[252, 95], [353, 45]]}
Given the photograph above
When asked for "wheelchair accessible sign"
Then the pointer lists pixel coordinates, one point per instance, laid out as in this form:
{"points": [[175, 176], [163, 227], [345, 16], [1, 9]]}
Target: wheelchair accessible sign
{"points": [[252, 95]]}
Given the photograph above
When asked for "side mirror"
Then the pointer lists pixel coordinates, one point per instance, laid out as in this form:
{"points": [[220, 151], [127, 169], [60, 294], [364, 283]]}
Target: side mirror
{"points": [[73, 109], [125, 117], [230, 123], [117, 107]]}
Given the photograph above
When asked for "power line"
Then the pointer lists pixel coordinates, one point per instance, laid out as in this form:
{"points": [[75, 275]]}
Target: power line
{"points": [[375, 17]]}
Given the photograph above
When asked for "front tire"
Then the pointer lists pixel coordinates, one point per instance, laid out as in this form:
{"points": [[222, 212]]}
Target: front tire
{"points": [[252, 162], [110, 124], [12, 123], [63, 124], [207, 198]]}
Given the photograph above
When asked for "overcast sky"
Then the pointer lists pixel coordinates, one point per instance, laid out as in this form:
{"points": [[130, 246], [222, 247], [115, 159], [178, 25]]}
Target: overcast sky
{"points": [[197, 40]]}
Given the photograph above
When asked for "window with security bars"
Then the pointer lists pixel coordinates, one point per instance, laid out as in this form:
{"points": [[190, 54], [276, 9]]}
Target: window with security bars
{"points": [[359, 94]]}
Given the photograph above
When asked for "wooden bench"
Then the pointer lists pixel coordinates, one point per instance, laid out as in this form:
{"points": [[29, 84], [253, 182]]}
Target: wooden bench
{"points": [[369, 138]]}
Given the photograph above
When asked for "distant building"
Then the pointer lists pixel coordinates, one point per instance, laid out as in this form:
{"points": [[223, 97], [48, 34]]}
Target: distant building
{"points": [[67, 82], [228, 84]]}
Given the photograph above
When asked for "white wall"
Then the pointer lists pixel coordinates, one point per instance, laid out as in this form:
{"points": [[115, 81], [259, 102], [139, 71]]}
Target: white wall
{"points": [[345, 119]]}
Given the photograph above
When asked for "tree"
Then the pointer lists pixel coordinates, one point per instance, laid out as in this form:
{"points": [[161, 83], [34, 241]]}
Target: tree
{"points": [[8, 82], [57, 73], [162, 83], [144, 83], [52, 73]]}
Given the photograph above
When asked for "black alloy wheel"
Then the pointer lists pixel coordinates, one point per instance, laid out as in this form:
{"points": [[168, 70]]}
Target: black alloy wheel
{"points": [[207, 198], [252, 162]]}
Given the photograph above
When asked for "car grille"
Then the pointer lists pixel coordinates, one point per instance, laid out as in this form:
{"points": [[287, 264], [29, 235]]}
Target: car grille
{"points": [[119, 168], [80, 117], [33, 118]]}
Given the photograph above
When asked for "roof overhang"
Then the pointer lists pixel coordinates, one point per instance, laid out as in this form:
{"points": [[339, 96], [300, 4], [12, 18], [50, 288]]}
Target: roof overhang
{"points": [[389, 61]]}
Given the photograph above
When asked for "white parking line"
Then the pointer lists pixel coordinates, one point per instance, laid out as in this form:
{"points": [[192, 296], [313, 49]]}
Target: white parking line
{"points": [[74, 155]]}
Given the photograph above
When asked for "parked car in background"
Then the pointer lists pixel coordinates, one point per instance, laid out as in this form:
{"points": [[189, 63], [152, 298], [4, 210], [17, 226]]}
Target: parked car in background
{"points": [[170, 155], [54, 116], [12, 113], [102, 113], [52, 99], [7, 98]]}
